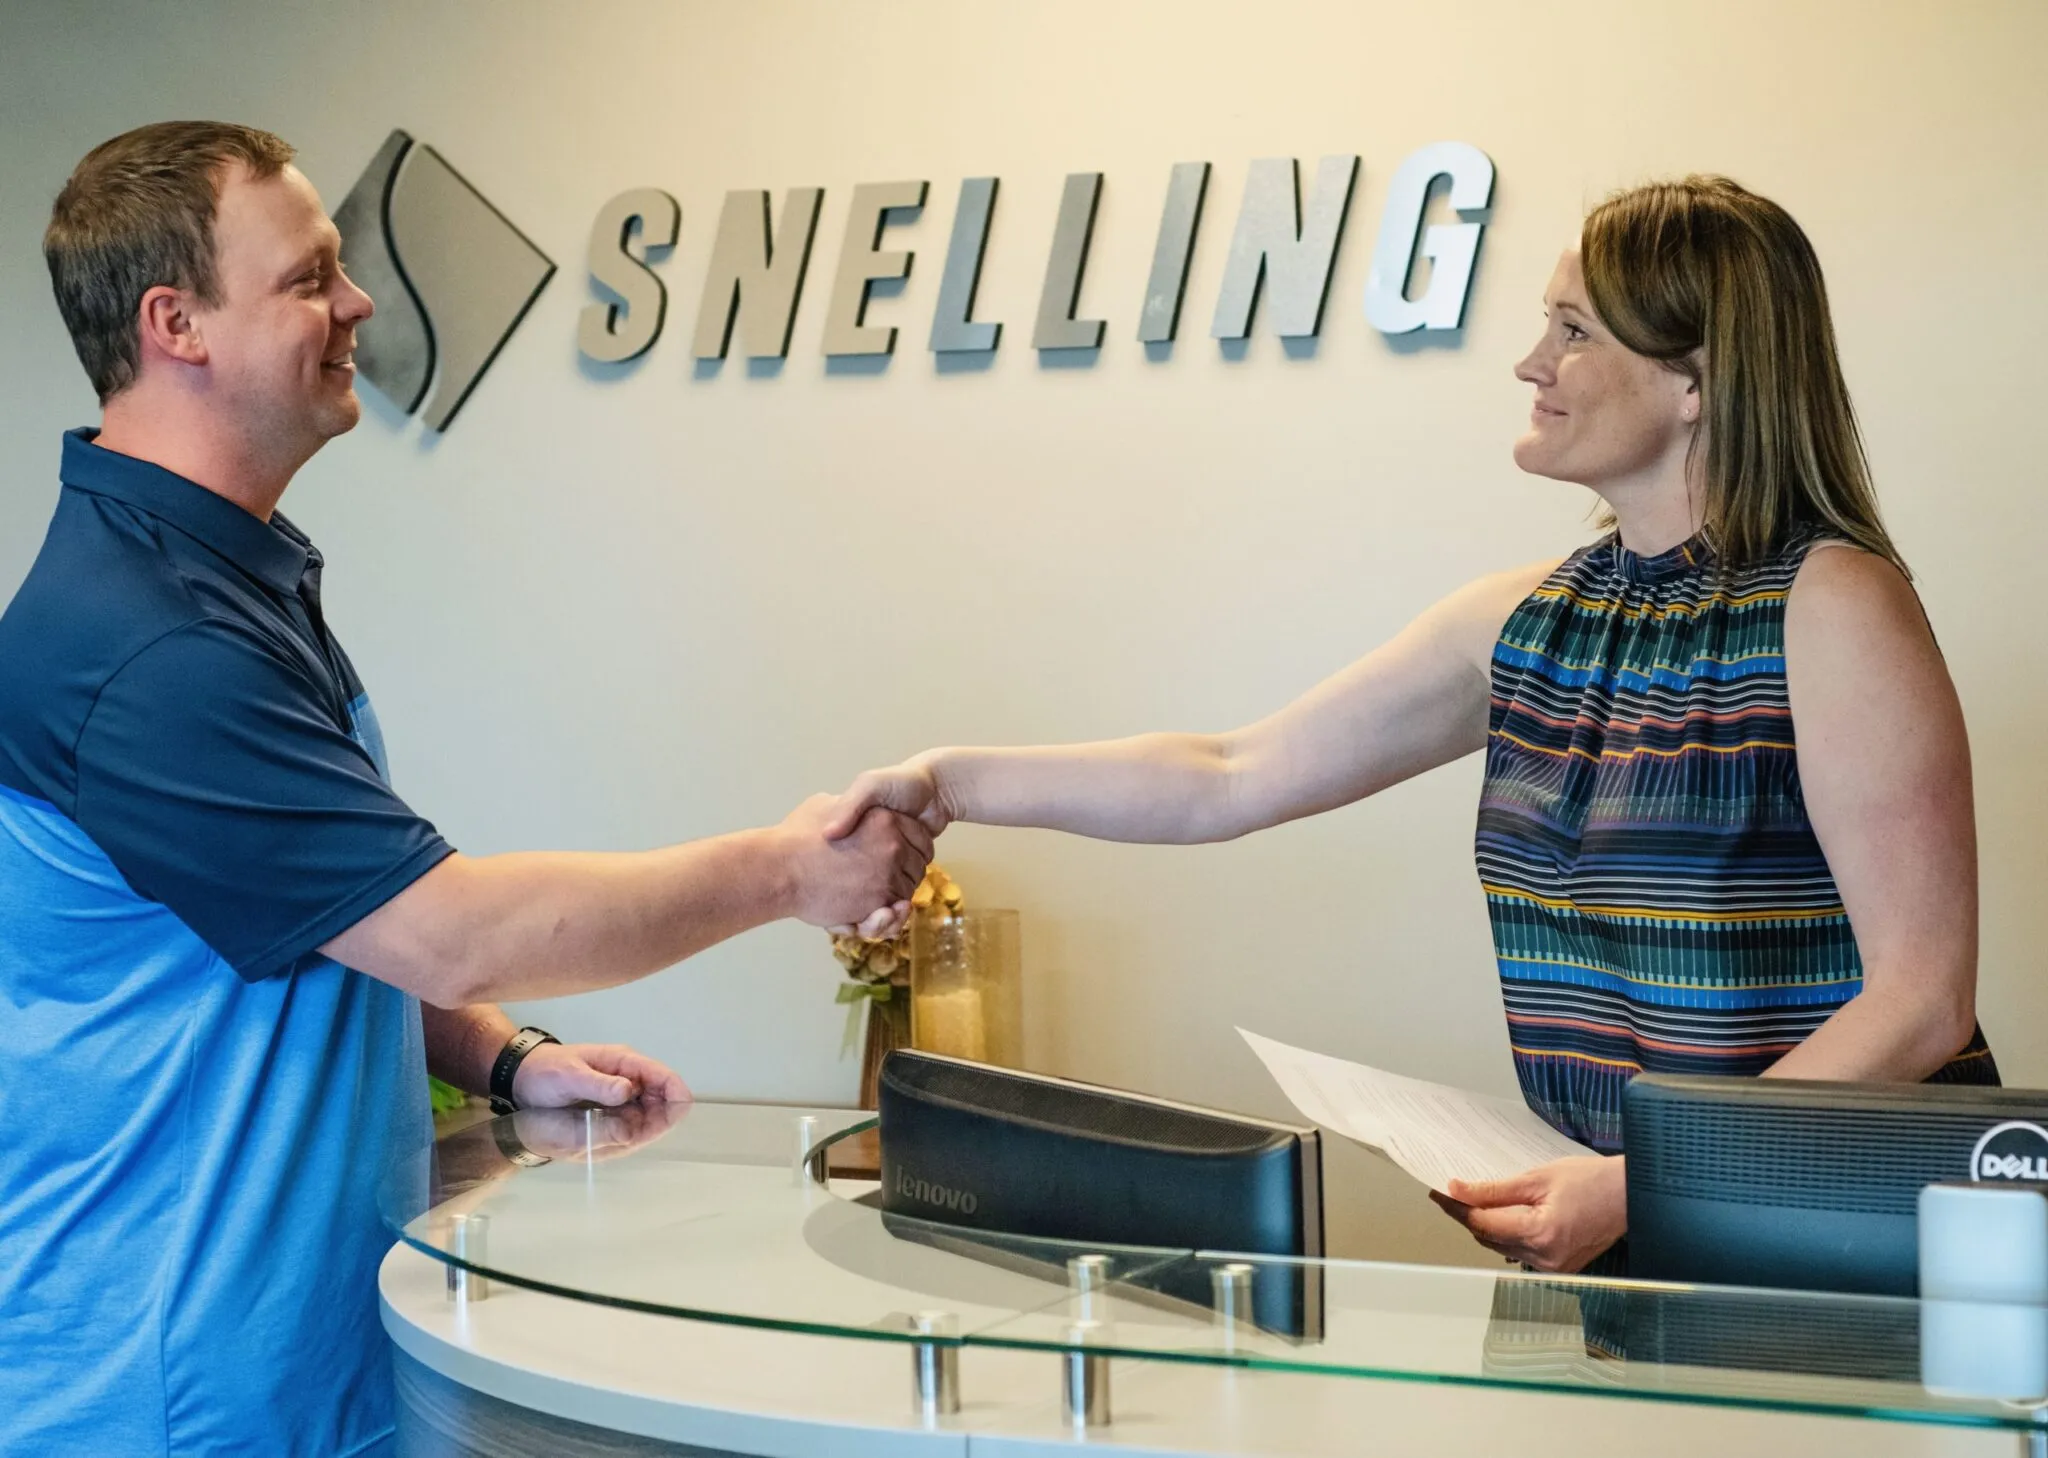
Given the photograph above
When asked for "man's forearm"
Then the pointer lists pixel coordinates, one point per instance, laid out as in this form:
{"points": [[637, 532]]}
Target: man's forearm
{"points": [[463, 1043], [545, 924]]}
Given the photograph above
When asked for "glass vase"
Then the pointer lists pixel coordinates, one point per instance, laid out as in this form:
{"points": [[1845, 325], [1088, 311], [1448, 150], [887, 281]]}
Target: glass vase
{"points": [[967, 986]]}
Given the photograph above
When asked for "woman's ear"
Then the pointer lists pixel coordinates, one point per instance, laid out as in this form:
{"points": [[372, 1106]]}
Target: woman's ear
{"points": [[1692, 370]]}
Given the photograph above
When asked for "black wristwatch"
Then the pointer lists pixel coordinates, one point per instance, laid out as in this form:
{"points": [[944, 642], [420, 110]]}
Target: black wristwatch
{"points": [[506, 1068], [509, 1145]]}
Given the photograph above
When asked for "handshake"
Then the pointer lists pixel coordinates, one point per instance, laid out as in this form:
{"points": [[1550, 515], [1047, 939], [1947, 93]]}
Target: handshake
{"points": [[856, 857]]}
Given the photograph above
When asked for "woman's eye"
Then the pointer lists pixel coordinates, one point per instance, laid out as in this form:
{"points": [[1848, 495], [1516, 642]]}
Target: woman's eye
{"points": [[1573, 333]]}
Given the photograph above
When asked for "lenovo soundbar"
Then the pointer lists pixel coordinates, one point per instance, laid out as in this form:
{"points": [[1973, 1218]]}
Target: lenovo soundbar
{"points": [[1022, 1154]]}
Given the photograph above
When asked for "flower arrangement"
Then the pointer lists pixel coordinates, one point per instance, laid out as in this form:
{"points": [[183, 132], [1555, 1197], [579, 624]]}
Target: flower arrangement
{"points": [[878, 974]]}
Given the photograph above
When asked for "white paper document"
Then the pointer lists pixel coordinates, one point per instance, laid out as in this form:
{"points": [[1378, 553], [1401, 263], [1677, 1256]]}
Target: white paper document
{"points": [[1434, 1132]]}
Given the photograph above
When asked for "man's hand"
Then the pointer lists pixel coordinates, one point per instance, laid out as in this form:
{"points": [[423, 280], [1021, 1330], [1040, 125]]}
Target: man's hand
{"points": [[866, 872], [568, 1134], [555, 1075], [910, 788], [1556, 1217]]}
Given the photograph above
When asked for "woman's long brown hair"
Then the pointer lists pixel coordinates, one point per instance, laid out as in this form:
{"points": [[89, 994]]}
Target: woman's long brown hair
{"points": [[1721, 285]]}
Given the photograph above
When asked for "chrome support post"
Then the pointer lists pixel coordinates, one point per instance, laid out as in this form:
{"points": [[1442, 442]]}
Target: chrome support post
{"points": [[1088, 1278], [466, 1242], [1231, 1289], [935, 1366], [1084, 1376], [810, 1167]]}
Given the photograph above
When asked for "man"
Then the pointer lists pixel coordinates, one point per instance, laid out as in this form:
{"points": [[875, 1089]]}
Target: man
{"points": [[229, 953]]}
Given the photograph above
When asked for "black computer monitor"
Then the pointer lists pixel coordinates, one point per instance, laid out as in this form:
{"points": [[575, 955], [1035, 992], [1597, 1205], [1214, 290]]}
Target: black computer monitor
{"points": [[977, 1147], [1815, 1186]]}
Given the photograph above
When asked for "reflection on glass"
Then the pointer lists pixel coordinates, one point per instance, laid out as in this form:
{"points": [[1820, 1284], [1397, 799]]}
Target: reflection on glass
{"points": [[1984, 1349], [692, 1212]]}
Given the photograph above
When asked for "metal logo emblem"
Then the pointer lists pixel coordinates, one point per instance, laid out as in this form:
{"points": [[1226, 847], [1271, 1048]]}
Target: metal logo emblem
{"points": [[450, 275]]}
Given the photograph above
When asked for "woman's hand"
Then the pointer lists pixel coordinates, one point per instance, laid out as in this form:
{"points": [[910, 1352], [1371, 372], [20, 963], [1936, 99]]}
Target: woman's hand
{"points": [[910, 788], [1556, 1217]]}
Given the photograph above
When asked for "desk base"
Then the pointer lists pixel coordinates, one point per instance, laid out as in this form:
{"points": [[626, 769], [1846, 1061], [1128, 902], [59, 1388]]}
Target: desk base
{"points": [[440, 1418]]}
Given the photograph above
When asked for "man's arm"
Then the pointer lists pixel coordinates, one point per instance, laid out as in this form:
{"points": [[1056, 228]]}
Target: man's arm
{"points": [[464, 1042], [530, 925]]}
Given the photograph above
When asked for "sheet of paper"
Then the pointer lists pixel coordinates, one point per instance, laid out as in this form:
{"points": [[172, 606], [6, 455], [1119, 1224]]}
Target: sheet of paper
{"points": [[1434, 1132]]}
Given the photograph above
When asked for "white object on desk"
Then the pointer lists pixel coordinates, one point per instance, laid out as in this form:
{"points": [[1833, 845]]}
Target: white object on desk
{"points": [[1984, 1290], [1433, 1131]]}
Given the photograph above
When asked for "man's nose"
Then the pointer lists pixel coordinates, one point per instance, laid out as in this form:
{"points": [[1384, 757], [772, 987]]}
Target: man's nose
{"points": [[355, 305]]}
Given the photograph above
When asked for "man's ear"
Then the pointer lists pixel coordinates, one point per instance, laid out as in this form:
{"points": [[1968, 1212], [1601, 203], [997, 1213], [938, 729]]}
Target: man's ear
{"points": [[169, 326]]}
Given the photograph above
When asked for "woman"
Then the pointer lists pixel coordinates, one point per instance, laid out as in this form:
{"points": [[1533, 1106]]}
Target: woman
{"points": [[1726, 824]]}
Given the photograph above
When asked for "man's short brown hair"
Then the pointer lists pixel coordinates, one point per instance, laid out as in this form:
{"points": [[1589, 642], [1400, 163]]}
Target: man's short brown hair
{"points": [[138, 213]]}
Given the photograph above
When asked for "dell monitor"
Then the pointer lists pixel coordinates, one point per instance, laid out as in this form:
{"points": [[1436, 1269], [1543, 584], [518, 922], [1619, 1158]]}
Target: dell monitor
{"points": [[1782, 1182]]}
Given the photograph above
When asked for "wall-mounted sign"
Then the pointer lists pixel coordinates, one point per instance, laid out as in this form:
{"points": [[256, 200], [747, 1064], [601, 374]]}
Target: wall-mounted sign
{"points": [[452, 276], [1284, 247]]}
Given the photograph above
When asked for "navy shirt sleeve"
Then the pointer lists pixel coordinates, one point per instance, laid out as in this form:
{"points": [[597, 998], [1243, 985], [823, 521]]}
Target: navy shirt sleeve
{"points": [[212, 773]]}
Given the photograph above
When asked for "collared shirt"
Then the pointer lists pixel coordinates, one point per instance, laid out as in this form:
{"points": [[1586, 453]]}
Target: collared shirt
{"points": [[197, 1106]]}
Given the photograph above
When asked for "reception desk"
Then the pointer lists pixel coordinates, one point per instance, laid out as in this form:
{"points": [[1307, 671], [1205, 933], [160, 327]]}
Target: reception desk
{"points": [[686, 1281]]}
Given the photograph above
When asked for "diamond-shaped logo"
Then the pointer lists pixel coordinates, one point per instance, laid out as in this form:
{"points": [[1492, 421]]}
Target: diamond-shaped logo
{"points": [[450, 275]]}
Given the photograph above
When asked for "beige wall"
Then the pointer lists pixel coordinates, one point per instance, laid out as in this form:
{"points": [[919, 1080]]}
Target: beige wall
{"points": [[622, 611]]}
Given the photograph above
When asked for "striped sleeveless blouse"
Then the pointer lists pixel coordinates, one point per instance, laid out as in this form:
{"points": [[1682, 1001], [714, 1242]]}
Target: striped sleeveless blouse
{"points": [[1658, 899]]}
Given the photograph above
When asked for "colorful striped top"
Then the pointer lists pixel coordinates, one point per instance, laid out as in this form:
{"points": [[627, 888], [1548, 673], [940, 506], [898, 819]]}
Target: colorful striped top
{"points": [[1658, 899]]}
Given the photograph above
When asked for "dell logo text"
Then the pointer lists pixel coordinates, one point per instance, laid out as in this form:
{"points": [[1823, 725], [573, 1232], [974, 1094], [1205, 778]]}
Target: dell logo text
{"points": [[2015, 1150]]}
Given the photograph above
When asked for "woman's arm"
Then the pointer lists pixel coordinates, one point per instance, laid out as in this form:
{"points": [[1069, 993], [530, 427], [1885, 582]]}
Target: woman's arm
{"points": [[1884, 762], [1417, 702]]}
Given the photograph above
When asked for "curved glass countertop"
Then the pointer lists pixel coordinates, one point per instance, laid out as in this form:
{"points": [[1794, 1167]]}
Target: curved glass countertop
{"points": [[704, 1212]]}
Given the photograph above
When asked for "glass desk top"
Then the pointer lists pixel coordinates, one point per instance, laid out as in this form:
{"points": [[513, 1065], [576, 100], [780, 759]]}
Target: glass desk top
{"points": [[707, 1212]]}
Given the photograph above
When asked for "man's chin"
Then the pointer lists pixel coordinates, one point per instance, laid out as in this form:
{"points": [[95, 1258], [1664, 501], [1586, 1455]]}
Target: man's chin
{"points": [[342, 416]]}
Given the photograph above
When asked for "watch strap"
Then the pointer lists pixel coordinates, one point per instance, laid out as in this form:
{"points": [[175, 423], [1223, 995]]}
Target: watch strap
{"points": [[506, 1068], [510, 1145]]}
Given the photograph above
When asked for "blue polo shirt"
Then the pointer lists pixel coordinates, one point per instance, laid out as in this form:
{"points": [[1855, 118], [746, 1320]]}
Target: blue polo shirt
{"points": [[196, 1107]]}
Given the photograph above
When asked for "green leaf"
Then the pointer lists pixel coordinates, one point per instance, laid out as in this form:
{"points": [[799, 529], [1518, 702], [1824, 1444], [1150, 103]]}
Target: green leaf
{"points": [[865, 991], [444, 1096]]}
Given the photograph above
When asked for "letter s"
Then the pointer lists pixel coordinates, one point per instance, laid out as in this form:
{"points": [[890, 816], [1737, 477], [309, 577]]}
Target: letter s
{"points": [[611, 332]]}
